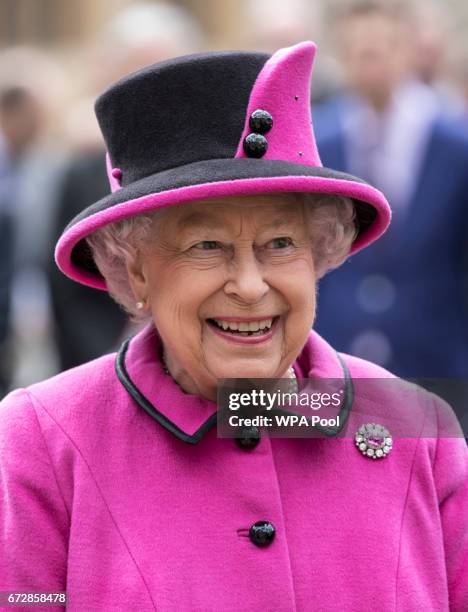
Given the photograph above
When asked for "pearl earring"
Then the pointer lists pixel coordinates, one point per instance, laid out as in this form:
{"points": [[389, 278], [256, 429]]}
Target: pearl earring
{"points": [[141, 304]]}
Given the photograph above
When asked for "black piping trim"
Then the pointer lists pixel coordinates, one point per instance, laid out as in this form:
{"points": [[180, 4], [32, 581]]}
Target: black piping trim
{"points": [[347, 403], [143, 402]]}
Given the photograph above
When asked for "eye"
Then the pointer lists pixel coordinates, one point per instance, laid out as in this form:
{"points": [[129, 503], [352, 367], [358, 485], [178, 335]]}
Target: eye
{"points": [[207, 245], [280, 243]]}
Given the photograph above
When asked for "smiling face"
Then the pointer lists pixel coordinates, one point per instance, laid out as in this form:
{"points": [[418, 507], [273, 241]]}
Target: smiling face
{"points": [[231, 287]]}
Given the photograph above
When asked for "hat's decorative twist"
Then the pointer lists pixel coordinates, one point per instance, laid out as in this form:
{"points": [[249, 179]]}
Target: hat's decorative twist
{"points": [[284, 87]]}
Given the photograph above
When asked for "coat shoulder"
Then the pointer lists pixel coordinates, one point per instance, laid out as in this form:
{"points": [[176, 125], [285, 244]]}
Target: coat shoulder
{"points": [[80, 388], [412, 410]]}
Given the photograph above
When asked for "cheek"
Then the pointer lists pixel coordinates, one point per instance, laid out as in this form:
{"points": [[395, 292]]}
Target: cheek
{"points": [[179, 291], [300, 292], [303, 304], [297, 284]]}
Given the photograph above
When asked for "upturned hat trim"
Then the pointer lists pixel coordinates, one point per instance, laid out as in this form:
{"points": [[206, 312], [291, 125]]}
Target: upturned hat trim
{"points": [[283, 88]]}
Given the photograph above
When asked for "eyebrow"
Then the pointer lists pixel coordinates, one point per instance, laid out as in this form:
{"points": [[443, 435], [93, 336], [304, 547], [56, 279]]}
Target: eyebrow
{"points": [[198, 218], [214, 221]]}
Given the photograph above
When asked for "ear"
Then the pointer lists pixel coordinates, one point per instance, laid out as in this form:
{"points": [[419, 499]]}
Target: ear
{"points": [[137, 276]]}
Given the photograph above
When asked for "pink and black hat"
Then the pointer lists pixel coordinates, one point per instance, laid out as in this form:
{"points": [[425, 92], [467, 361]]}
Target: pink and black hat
{"points": [[206, 126]]}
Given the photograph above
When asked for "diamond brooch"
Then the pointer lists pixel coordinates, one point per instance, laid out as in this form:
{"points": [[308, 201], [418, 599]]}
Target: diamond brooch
{"points": [[373, 440]]}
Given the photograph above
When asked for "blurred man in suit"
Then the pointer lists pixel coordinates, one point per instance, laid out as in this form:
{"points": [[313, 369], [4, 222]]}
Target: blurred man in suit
{"points": [[19, 126], [409, 304]]}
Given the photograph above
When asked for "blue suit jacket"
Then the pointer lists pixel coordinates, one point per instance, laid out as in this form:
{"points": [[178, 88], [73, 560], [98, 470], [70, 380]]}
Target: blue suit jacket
{"points": [[422, 258]]}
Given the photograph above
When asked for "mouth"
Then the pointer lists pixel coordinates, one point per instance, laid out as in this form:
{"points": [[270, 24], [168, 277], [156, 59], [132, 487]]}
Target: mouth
{"points": [[252, 328]]}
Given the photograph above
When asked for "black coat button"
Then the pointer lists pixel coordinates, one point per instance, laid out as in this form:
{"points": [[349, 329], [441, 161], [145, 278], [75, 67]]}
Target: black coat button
{"points": [[255, 145], [249, 438], [260, 121], [262, 533]]}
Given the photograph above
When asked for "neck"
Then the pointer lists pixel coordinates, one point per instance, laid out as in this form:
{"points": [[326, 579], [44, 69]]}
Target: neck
{"points": [[189, 386]]}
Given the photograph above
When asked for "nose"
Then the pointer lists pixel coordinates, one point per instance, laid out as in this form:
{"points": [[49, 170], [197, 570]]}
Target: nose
{"points": [[246, 280]]}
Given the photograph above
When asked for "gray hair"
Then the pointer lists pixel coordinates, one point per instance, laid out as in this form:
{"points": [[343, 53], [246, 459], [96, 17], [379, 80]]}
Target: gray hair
{"points": [[332, 223]]}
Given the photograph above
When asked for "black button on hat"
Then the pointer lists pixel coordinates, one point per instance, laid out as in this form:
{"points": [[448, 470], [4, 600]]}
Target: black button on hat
{"points": [[260, 121], [255, 145], [249, 438], [262, 533]]}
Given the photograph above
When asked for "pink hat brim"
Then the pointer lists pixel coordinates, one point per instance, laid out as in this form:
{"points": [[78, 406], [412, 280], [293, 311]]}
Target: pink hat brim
{"points": [[69, 245]]}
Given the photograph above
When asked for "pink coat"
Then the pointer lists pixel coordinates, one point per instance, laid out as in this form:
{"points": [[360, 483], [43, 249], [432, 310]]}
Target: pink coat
{"points": [[101, 500]]}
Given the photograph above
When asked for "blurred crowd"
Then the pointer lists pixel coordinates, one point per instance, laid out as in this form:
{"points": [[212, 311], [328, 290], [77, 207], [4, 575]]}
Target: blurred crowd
{"points": [[389, 98]]}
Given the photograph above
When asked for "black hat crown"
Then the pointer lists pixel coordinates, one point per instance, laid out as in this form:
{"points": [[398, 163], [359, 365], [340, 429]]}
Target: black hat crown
{"points": [[177, 112]]}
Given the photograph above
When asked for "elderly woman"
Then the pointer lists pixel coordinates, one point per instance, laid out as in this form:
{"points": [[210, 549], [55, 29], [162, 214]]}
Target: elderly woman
{"points": [[116, 488]]}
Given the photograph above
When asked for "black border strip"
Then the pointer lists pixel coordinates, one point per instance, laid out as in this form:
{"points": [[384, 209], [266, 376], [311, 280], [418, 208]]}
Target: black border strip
{"points": [[143, 402]]}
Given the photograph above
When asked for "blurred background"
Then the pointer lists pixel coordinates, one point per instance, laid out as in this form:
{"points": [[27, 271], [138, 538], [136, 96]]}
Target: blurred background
{"points": [[389, 97]]}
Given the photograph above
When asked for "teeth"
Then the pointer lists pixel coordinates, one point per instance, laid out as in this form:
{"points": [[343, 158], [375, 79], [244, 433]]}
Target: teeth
{"points": [[241, 326]]}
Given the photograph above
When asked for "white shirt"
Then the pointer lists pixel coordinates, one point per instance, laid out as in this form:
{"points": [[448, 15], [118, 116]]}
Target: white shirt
{"points": [[388, 148]]}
